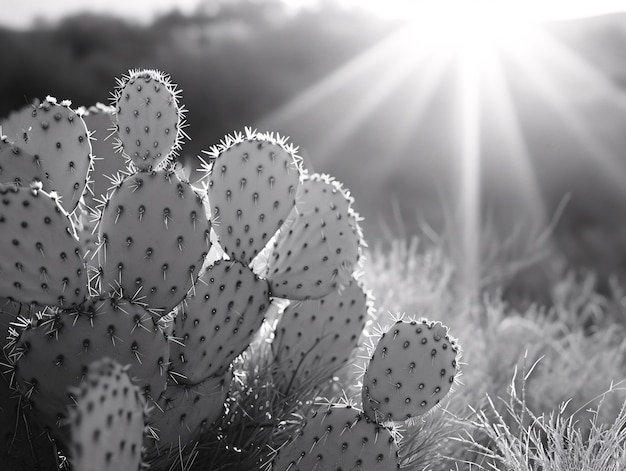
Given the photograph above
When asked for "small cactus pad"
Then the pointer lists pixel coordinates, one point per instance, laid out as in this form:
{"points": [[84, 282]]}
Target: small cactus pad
{"points": [[339, 438], [412, 368], [106, 162], [57, 138], [252, 188], [183, 412], [149, 120], [107, 424], [320, 245], [18, 166], [55, 353], [218, 320], [154, 237], [40, 256], [317, 337]]}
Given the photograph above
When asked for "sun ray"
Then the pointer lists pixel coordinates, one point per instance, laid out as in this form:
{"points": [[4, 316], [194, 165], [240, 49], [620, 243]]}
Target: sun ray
{"points": [[587, 75], [349, 90], [397, 99], [512, 162], [330, 86], [431, 75], [363, 108], [570, 113], [470, 168]]}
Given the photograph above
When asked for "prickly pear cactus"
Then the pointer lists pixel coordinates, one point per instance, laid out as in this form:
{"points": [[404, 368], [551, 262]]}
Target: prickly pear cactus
{"points": [[57, 138], [412, 368], [154, 237], [40, 256], [129, 312], [149, 119], [317, 337], [107, 424], [339, 437], [54, 354], [252, 182], [218, 319], [319, 248]]}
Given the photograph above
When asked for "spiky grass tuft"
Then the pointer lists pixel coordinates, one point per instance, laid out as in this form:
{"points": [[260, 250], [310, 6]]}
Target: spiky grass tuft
{"points": [[520, 440]]}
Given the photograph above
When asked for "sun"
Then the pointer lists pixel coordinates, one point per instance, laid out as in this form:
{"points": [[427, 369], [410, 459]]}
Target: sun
{"points": [[457, 25], [486, 55]]}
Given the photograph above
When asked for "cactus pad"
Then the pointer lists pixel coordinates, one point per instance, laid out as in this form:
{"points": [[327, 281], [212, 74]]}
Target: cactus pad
{"points": [[55, 353], [154, 238], [40, 256], [317, 337], [320, 245], [57, 138], [149, 120], [218, 319], [252, 186], [412, 368], [107, 424], [339, 438]]}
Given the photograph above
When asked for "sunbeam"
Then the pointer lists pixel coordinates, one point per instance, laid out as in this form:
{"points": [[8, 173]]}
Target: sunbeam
{"points": [[470, 169], [558, 94], [350, 95], [511, 164], [456, 97]]}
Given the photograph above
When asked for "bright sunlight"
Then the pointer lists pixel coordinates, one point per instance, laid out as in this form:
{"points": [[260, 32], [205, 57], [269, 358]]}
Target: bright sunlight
{"points": [[476, 44]]}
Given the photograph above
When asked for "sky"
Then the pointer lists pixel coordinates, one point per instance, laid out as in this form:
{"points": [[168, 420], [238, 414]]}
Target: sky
{"points": [[20, 14]]}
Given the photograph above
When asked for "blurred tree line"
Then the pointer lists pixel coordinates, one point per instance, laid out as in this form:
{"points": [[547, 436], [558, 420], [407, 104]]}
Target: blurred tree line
{"points": [[234, 63]]}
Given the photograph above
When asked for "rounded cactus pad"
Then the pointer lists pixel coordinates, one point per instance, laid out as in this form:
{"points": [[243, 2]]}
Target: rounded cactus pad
{"points": [[40, 256], [252, 182], [413, 366], [218, 320], [150, 120], [57, 138], [107, 424], [184, 412], [106, 162], [154, 236], [319, 248], [317, 337], [56, 352], [339, 438]]}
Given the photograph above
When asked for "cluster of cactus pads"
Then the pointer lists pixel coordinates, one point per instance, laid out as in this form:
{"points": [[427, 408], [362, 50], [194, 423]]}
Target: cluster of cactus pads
{"points": [[127, 292]]}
